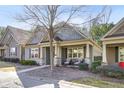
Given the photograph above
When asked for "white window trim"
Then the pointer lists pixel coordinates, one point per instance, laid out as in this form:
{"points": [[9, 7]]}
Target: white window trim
{"points": [[77, 53], [34, 54], [13, 53], [119, 53]]}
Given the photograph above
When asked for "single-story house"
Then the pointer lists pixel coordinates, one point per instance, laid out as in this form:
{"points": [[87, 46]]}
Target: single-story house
{"points": [[113, 44], [69, 43]]}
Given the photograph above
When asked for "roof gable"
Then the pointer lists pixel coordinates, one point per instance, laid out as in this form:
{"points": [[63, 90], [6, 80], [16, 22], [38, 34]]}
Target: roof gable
{"points": [[37, 35], [6, 40], [116, 31], [68, 32], [20, 36]]}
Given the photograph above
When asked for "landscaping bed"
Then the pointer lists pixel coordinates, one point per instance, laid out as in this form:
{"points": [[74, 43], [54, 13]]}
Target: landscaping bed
{"points": [[98, 83]]}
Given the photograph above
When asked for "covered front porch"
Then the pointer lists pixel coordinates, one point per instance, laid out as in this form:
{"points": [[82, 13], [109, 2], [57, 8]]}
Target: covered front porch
{"points": [[113, 51], [66, 51]]}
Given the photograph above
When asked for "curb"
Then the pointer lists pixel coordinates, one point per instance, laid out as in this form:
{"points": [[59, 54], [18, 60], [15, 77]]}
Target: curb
{"points": [[29, 69], [66, 84]]}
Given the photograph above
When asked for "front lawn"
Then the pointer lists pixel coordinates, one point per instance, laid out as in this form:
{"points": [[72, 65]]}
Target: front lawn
{"points": [[6, 66], [10, 67], [98, 83]]}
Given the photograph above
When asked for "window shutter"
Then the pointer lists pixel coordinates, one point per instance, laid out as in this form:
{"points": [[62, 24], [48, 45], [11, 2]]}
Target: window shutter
{"points": [[39, 52], [16, 51], [9, 51], [29, 52], [116, 54]]}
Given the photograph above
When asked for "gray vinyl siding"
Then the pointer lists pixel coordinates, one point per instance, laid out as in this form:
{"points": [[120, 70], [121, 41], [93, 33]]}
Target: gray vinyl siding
{"points": [[27, 53], [91, 53], [22, 52], [13, 44]]}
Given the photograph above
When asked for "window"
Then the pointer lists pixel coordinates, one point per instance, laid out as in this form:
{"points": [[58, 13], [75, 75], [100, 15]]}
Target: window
{"points": [[121, 54], [75, 52], [13, 51], [80, 52], [70, 53], [34, 52]]}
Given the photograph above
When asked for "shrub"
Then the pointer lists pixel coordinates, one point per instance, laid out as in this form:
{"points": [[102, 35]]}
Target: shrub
{"points": [[112, 71], [94, 66], [83, 66], [28, 62], [14, 60]]}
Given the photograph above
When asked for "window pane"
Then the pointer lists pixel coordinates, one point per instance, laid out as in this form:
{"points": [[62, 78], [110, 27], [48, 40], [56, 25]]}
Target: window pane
{"points": [[70, 53], [80, 52], [121, 54], [13, 51], [75, 52], [34, 52]]}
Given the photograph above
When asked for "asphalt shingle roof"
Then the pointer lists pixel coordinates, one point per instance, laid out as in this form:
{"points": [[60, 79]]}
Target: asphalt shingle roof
{"points": [[20, 35]]}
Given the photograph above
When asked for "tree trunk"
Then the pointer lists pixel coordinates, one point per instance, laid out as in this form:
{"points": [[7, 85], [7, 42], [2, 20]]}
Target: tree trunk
{"points": [[51, 54], [51, 48]]}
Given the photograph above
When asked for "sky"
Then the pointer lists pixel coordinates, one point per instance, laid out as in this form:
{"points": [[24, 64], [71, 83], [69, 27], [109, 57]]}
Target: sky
{"points": [[8, 14]]}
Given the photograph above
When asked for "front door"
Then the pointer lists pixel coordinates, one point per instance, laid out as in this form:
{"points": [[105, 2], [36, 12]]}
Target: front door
{"points": [[47, 55]]}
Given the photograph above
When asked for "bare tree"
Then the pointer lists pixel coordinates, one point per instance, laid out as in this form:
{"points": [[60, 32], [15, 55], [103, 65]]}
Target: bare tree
{"points": [[49, 16]]}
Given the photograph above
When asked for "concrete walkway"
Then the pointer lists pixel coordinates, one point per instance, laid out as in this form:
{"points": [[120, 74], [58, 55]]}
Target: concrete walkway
{"points": [[34, 68], [16, 79]]}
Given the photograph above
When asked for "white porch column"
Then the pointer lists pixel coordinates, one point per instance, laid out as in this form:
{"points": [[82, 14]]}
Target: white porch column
{"points": [[87, 59], [41, 52], [57, 57], [20, 53], [41, 56], [104, 59]]}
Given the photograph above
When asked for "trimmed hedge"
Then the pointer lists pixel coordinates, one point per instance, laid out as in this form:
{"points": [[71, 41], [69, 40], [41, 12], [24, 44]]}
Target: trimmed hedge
{"points": [[14, 60], [83, 66], [94, 66], [28, 62], [112, 71]]}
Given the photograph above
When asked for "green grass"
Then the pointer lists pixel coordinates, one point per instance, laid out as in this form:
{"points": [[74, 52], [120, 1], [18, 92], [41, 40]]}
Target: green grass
{"points": [[98, 83]]}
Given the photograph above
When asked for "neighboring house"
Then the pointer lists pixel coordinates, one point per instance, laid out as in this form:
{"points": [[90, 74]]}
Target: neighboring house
{"points": [[13, 41], [113, 44], [69, 43]]}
